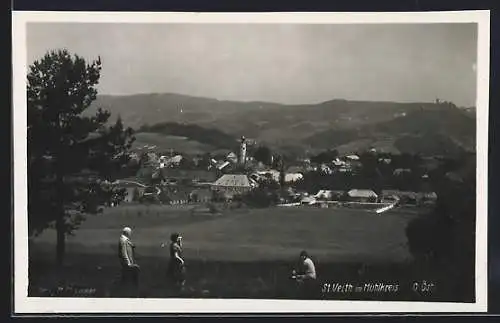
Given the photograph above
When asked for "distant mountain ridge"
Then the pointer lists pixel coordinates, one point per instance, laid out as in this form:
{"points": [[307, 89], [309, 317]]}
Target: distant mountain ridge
{"points": [[428, 128]]}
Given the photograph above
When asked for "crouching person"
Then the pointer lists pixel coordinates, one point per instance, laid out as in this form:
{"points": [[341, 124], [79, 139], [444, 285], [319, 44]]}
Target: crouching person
{"points": [[129, 268], [305, 276]]}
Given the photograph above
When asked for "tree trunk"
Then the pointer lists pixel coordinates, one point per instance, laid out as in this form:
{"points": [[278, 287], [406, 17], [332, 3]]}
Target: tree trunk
{"points": [[61, 239], [60, 225], [60, 164]]}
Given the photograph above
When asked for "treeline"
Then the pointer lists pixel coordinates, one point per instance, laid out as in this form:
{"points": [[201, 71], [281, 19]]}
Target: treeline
{"points": [[213, 137], [379, 171]]}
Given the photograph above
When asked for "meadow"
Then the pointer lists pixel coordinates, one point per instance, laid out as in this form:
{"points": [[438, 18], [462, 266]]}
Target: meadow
{"points": [[241, 252], [167, 142]]}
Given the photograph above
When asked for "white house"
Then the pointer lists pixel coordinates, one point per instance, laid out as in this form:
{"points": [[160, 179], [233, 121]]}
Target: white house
{"points": [[293, 177], [362, 195], [352, 157], [170, 161], [328, 194], [308, 200]]}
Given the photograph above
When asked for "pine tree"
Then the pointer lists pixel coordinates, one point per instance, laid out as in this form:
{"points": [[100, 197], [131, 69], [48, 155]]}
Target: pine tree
{"points": [[73, 156]]}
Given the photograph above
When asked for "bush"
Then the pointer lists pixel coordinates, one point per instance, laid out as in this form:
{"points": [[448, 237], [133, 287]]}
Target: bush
{"points": [[136, 195], [430, 237], [447, 234], [212, 208], [261, 198]]}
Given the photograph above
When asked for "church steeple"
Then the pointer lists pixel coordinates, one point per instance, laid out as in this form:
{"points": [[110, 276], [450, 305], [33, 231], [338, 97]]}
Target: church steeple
{"points": [[243, 151]]}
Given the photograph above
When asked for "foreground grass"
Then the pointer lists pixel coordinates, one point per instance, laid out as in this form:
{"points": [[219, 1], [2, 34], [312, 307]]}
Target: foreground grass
{"points": [[257, 279], [247, 253]]}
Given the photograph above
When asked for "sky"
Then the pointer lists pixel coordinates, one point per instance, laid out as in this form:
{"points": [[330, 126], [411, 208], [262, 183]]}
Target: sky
{"points": [[284, 63]]}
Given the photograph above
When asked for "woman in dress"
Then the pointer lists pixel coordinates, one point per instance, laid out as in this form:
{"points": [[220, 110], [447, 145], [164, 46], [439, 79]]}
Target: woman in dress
{"points": [[176, 267]]}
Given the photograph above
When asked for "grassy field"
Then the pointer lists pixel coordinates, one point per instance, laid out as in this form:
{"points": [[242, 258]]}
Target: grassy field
{"points": [[241, 252], [165, 143]]}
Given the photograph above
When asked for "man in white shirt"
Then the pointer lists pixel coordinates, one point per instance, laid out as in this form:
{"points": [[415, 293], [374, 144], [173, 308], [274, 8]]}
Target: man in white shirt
{"points": [[305, 275], [130, 269], [306, 269]]}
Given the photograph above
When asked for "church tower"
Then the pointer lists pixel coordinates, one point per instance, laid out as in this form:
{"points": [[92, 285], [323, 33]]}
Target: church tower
{"points": [[243, 151]]}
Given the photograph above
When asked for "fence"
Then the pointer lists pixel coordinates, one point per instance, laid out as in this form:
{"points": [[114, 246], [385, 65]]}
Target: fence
{"points": [[182, 202]]}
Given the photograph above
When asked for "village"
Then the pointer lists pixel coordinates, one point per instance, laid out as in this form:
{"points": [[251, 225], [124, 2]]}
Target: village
{"points": [[247, 161], [174, 179]]}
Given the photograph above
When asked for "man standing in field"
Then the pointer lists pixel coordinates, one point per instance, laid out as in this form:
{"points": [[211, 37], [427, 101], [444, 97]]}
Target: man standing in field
{"points": [[130, 269], [176, 268], [305, 274]]}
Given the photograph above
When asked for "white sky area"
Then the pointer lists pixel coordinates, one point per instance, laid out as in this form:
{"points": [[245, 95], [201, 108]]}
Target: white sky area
{"points": [[285, 63]]}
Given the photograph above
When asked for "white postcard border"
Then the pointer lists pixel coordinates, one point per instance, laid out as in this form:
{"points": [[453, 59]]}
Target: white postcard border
{"points": [[25, 304]]}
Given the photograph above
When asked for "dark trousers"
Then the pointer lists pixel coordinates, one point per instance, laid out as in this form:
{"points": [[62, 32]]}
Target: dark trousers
{"points": [[130, 281], [176, 274], [307, 288]]}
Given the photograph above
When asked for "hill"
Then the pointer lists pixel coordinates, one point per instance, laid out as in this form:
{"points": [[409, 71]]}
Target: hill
{"points": [[342, 124], [429, 131], [165, 143], [192, 132]]}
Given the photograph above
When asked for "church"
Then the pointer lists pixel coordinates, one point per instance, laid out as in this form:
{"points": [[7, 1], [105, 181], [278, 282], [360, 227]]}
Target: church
{"points": [[236, 183]]}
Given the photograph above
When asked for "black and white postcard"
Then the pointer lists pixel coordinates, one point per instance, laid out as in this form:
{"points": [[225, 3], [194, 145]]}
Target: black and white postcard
{"points": [[250, 162]]}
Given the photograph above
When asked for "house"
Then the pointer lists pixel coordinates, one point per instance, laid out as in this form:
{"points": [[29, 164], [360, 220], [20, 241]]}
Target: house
{"points": [[233, 184], [329, 195], [293, 177], [295, 169], [218, 164], [152, 157], [352, 157], [338, 163], [232, 157], [275, 176], [362, 195], [404, 197], [428, 198], [132, 189], [386, 161], [176, 160], [179, 176], [308, 200], [401, 171], [390, 196], [341, 166], [409, 198], [165, 161], [325, 169], [354, 165], [134, 156], [199, 195], [270, 173], [222, 164], [305, 161], [344, 169]]}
